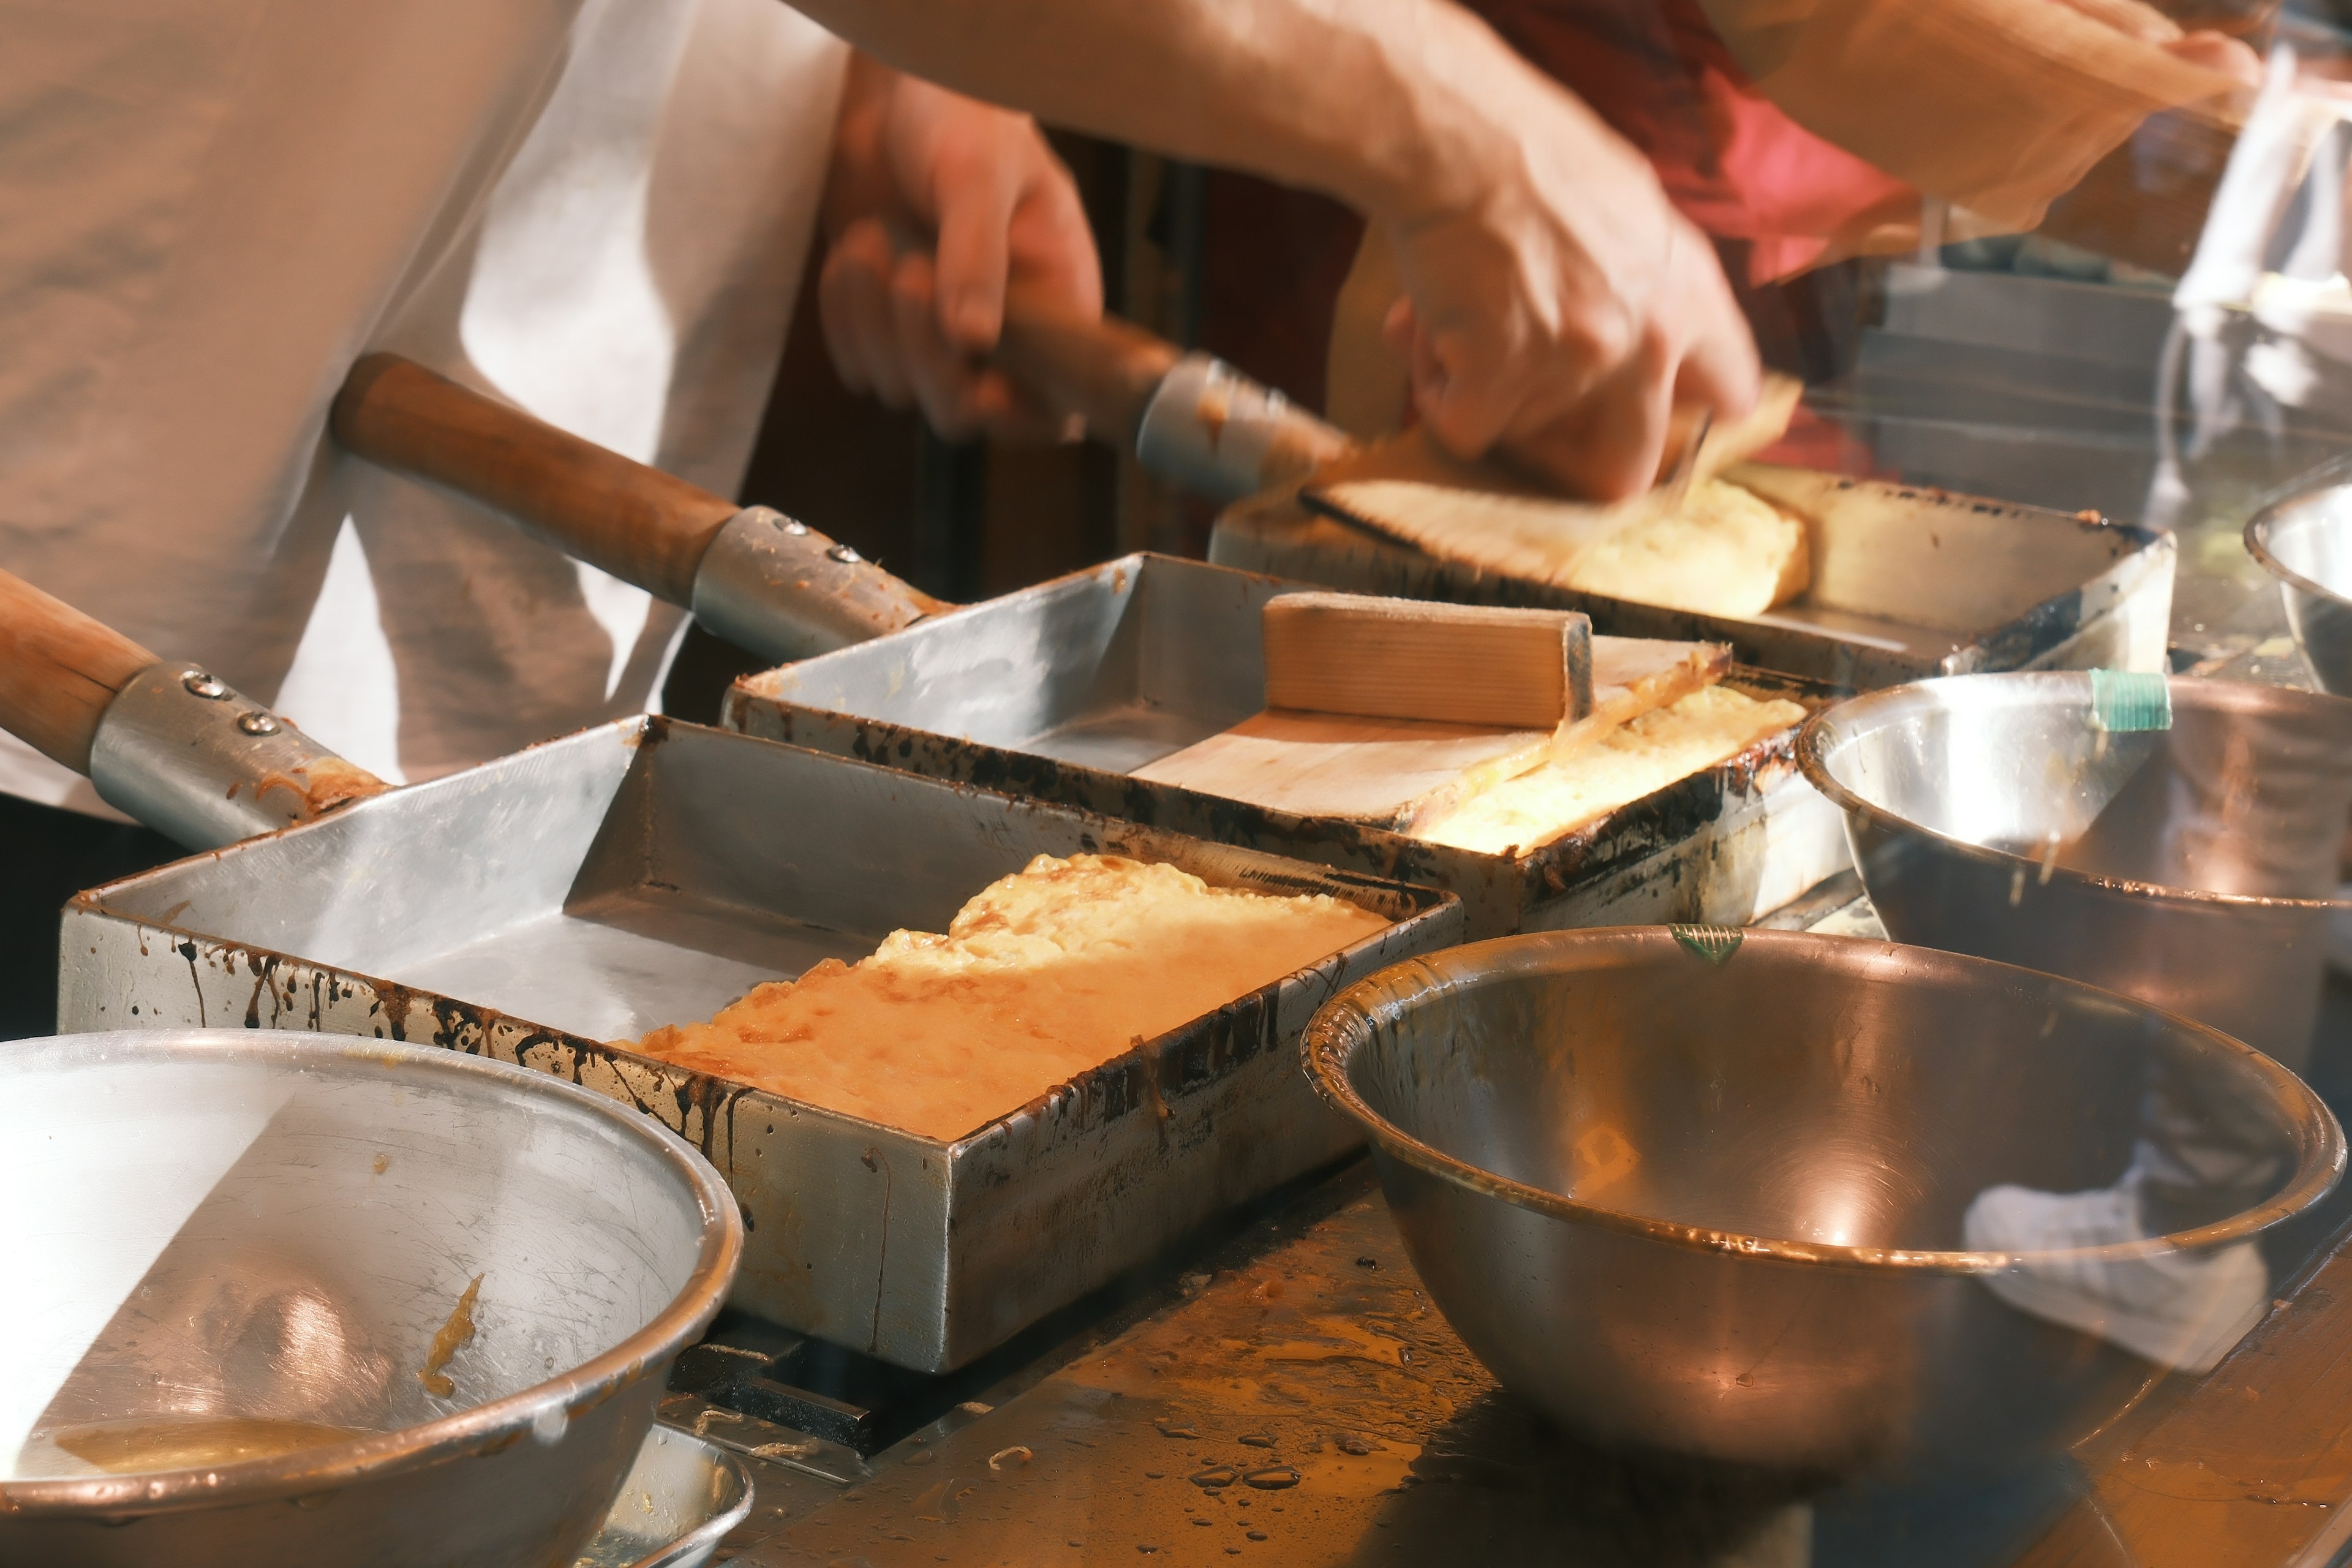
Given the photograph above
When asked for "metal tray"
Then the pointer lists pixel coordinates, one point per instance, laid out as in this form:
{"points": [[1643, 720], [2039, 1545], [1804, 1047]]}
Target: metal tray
{"points": [[649, 871], [1907, 583], [1055, 691]]}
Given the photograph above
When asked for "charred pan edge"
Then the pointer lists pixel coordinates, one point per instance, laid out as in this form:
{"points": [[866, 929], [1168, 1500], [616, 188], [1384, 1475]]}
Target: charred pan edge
{"points": [[1499, 890], [1182, 1080], [1347, 1023], [484, 1428], [287, 993], [2040, 631], [1818, 735]]}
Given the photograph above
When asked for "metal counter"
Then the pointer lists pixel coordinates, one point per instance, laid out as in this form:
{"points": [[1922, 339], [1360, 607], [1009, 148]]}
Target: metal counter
{"points": [[1304, 1345], [1290, 1396]]}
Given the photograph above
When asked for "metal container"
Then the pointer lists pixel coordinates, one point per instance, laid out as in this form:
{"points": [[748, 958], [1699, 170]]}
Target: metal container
{"points": [[1057, 691], [646, 872], [2192, 866], [464, 1281], [675, 1506], [1694, 1193], [1908, 581], [2305, 539]]}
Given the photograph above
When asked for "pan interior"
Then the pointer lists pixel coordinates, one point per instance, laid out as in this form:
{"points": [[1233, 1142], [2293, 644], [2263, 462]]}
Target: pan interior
{"points": [[606, 884], [1109, 669]]}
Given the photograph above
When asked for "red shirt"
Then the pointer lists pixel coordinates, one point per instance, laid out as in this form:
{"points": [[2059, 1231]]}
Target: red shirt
{"points": [[1730, 160]]}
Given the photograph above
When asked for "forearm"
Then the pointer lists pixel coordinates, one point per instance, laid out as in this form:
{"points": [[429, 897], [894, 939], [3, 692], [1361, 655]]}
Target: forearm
{"points": [[1400, 108]]}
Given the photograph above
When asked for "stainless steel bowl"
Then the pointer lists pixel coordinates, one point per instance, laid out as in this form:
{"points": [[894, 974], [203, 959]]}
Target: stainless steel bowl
{"points": [[1704, 1191], [2192, 867], [2305, 539], [677, 1504], [296, 1298]]}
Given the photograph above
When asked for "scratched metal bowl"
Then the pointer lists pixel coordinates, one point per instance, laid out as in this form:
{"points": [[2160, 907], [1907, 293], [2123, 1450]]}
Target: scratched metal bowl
{"points": [[2305, 539], [1702, 1191], [237, 1304], [2192, 866]]}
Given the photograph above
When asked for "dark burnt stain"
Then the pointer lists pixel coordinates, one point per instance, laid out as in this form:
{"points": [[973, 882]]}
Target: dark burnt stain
{"points": [[882, 1251], [393, 1002], [1501, 893], [187, 949], [713, 1100]]}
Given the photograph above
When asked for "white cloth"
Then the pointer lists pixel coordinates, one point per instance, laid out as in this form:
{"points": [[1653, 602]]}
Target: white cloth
{"points": [[209, 208]]}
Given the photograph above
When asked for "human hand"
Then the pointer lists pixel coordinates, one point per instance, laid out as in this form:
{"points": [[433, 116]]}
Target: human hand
{"points": [[1561, 311], [934, 203], [2213, 50]]}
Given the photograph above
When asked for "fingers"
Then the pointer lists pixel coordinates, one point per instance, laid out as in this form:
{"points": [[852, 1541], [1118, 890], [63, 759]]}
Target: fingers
{"points": [[1719, 368], [1582, 385], [878, 304], [2219, 52], [959, 396], [854, 305], [968, 197], [976, 193], [1052, 244], [1609, 443]]}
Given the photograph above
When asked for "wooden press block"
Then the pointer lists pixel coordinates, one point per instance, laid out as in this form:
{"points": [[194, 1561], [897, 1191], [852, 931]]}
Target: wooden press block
{"points": [[1410, 658], [1390, 771]]}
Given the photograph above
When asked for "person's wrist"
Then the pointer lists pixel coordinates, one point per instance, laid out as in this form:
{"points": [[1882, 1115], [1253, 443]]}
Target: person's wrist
{"points": [[1443, 138]]}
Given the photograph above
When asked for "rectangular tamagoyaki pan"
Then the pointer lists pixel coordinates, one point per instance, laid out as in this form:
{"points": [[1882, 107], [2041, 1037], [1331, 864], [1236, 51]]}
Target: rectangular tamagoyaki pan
{"points": [[1908, 581], [649, 871], [1055, 691], [1058, 691]]}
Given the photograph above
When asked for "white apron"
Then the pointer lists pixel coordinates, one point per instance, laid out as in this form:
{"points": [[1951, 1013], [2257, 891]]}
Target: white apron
{"points": [[209, 208]]}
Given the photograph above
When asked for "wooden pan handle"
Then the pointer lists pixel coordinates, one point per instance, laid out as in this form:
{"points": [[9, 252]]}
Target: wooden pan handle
{"points": [[1098, 367], [636, 522], [59, 671]]}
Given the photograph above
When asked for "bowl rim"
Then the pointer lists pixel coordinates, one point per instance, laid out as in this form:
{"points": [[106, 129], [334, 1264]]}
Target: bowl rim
{"points": [[2329, 476], [1816, 736], [715, 1526], [481, 1429], [1333, 1036]]}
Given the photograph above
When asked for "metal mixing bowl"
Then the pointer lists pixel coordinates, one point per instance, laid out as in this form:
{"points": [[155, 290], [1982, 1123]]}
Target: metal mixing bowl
{"points": [[2305, 539], [2193, 866], [1703, 1192], [241, 1269]]}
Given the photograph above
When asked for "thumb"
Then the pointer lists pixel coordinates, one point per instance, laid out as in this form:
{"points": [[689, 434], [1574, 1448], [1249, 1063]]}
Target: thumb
{"points": [[975, 197]]}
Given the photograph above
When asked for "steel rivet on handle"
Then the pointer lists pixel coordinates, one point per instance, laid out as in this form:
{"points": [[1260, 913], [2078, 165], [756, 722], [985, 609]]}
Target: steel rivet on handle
{"points": [[208, 687], [257, 723], [791, 525], [844, 554]]}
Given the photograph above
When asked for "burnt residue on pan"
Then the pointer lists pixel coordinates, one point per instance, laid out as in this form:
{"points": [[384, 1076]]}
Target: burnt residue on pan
{"points": [[316, 788], [1502, 894], [1111, 1165]]}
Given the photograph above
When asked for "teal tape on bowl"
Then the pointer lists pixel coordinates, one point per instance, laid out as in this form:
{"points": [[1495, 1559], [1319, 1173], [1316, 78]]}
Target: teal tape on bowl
{"points": [[2126, 701], [1714, 943]]}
